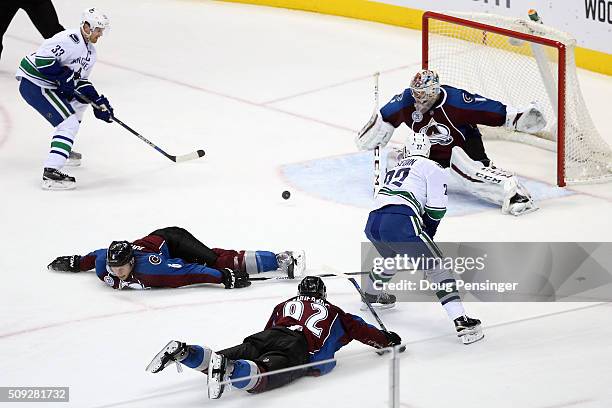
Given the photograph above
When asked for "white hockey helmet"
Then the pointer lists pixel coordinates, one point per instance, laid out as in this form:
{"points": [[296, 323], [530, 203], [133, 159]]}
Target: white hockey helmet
{"points": [[425, 87], [96, 19], [417, 144]]}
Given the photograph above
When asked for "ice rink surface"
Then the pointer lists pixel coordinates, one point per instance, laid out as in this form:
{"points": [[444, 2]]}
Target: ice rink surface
{"points": [[260, 89]]}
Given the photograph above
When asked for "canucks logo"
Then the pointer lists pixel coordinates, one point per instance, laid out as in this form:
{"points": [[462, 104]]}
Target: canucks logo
{"points": [[438, 133], [74, 38]]}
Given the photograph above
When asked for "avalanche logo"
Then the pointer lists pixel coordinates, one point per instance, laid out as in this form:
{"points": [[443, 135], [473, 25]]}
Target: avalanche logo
{"points": [[467, 98], [154, 259], [437, 133], [109, 280]]}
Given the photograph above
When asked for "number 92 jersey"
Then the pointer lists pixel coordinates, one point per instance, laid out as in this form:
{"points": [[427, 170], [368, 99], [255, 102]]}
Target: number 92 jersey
{"points": [[326, 327], [417, 182]]}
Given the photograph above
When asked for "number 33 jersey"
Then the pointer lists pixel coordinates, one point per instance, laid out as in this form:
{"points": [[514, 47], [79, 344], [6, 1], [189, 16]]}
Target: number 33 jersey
{"points": [[326, 327], [68, 48], [417, 182]]}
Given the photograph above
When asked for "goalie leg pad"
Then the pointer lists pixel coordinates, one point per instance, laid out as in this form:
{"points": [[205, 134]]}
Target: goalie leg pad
{"points": [[492, 184]]}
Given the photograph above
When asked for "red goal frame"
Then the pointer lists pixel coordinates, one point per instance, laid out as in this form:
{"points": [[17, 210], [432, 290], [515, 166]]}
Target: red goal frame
{"points": [[561, 86]]}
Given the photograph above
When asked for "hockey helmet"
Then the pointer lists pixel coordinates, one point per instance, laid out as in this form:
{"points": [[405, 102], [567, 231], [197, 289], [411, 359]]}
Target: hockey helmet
{"points": [[312, 286], [96, 19], [425, 87], [417, 144], [119, 253]]}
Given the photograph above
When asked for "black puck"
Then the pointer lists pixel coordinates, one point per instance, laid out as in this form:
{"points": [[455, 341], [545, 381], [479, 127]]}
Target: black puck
{"points": [[286, 195]]}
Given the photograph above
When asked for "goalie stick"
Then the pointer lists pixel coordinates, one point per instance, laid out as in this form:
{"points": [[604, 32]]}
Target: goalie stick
{"points": [[377, 148], [181, 158]]}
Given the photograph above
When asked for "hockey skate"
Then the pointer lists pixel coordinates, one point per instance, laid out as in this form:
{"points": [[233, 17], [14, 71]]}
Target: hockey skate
{"points": [[173, 352], [219, 370], [293, 263], [468, 329], [53, 179], [382, 300], [74, 159]]}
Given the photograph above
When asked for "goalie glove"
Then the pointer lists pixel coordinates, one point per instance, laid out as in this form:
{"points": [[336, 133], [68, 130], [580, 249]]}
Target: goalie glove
{"points": [[70, 263], [527, 120], [375, 133], [235, 279]]}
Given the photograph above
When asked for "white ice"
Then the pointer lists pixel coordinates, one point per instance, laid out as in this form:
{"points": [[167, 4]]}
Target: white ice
{"points": [[259, 88]]}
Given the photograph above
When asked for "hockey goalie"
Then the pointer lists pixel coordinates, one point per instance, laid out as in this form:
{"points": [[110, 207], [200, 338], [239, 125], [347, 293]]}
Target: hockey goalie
{"points": [[450, 117]]}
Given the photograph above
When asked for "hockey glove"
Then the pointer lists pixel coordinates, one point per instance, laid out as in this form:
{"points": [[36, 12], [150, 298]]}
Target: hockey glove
{"points": [[66, 264], [65, 83], [235, 279], [106, 111], [394, 338]]}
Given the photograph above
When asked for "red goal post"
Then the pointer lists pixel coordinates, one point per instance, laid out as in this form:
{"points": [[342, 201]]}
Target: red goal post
{"points": [[516, 62]]}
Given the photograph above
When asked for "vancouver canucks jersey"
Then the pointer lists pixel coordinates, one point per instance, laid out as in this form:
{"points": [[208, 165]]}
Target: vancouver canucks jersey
{"points": [[68, 48], [417, 182]]}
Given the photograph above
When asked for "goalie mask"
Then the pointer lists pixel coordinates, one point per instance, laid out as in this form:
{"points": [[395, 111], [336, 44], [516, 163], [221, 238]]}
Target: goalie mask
{"points": [[417, 144], [425, 88]]}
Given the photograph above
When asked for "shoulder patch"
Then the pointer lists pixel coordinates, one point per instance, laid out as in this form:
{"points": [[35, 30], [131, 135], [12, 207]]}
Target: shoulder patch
{"points": [[467, 98], [75, 38], [154, 259]]}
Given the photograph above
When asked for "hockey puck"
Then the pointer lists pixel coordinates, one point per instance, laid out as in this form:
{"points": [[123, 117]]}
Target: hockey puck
{"points": [[286, 195]]}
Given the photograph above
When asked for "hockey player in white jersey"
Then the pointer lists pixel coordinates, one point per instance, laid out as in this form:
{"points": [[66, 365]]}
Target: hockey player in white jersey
{"points": [[51, 80], [408, 209], [450, 117]]}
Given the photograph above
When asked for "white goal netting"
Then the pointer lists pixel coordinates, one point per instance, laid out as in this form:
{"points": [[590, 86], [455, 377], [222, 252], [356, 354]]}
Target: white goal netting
{"points": [[517, 72]]}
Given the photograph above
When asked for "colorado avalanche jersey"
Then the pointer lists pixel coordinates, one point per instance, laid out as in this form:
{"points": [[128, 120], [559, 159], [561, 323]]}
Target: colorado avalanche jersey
{"points": [[68, 48], [326, 327], [153, 267], [417, 182], [451, 120]]}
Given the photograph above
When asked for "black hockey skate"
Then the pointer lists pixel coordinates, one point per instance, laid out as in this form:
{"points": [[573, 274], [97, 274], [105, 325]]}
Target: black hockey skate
{"points": [[74, 159], [173, 352], [468, 329], [291, 263], [219, 370], [382, 300], [53, 179]]}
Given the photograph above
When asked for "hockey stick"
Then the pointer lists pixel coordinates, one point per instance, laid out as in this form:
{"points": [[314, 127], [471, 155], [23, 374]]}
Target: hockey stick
{"points": [[367, 302], [176, 159], [324, 275], [377, 148]]}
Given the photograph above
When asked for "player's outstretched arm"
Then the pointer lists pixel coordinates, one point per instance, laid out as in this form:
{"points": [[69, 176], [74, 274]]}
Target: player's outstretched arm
{"points": [[70, 263], [357, 329]]}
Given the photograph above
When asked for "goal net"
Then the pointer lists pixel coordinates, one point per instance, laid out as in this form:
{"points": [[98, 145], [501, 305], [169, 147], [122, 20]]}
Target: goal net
{"points": [[517, 62]]}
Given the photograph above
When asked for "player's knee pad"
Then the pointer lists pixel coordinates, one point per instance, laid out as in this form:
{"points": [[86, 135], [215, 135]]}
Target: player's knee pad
{"points": [[243, 369], [69, 127]]}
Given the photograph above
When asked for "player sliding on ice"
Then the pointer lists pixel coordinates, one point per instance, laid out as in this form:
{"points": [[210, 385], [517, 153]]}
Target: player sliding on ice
{"points": [[171, 257], [449, 117], [409, 207], [49, 78], [303, 329]]}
